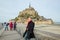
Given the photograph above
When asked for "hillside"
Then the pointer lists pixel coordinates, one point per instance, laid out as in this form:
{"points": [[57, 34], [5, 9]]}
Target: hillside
{"points": [[31, 12]]}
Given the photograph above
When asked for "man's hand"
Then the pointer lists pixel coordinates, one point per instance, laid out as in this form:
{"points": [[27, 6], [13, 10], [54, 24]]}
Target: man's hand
{"points": [[26, 28]]}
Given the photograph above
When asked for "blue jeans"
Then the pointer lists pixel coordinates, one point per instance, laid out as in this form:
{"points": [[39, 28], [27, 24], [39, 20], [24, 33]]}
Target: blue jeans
{"points": [[6, 28], [26, 36]]}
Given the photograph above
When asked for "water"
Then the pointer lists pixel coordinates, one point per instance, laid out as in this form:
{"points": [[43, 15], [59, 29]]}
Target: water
{"points": [[57, 23]]}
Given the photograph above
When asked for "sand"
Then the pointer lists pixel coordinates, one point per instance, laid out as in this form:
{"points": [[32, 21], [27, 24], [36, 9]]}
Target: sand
{"points": [[43, 32]]}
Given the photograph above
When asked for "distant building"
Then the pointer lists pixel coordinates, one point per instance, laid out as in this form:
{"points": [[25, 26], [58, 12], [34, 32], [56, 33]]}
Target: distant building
{"points": [[31, 12]]}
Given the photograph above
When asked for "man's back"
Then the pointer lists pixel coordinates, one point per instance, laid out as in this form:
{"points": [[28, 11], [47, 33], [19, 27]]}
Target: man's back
{"points": [[31, 26]]}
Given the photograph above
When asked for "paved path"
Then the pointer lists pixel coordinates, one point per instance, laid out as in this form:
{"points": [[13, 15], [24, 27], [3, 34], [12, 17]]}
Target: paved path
{"points": [[10, 35]]}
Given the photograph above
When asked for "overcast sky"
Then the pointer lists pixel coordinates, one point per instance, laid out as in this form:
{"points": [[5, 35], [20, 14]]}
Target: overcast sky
{"points": [[9, 9]]}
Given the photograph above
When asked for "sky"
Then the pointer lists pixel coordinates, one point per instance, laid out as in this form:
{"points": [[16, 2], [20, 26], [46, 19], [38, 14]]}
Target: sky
{"points": [[9, 9]]}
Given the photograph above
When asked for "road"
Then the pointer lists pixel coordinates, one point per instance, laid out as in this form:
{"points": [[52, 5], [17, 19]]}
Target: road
{"points": [[10, 35], [42, 32]]}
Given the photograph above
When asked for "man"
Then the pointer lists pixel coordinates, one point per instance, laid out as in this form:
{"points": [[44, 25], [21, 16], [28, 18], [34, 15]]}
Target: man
{"points": [[6, 28], [29, 30], [14, 25]]}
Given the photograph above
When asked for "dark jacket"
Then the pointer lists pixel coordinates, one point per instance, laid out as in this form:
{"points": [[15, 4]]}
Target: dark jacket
{"points": [[7, 24], [30, 27], [14, 25]]}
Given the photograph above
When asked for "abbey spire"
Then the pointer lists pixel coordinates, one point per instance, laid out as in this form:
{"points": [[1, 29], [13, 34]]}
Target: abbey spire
{"points": [[29, 5]]}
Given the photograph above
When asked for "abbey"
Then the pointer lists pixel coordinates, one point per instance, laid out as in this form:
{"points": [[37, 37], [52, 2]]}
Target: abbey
{"points": [[31, 12]]}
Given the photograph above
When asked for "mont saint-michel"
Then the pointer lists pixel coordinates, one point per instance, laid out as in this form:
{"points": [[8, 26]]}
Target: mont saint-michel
{"points": [[31, 12]]}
